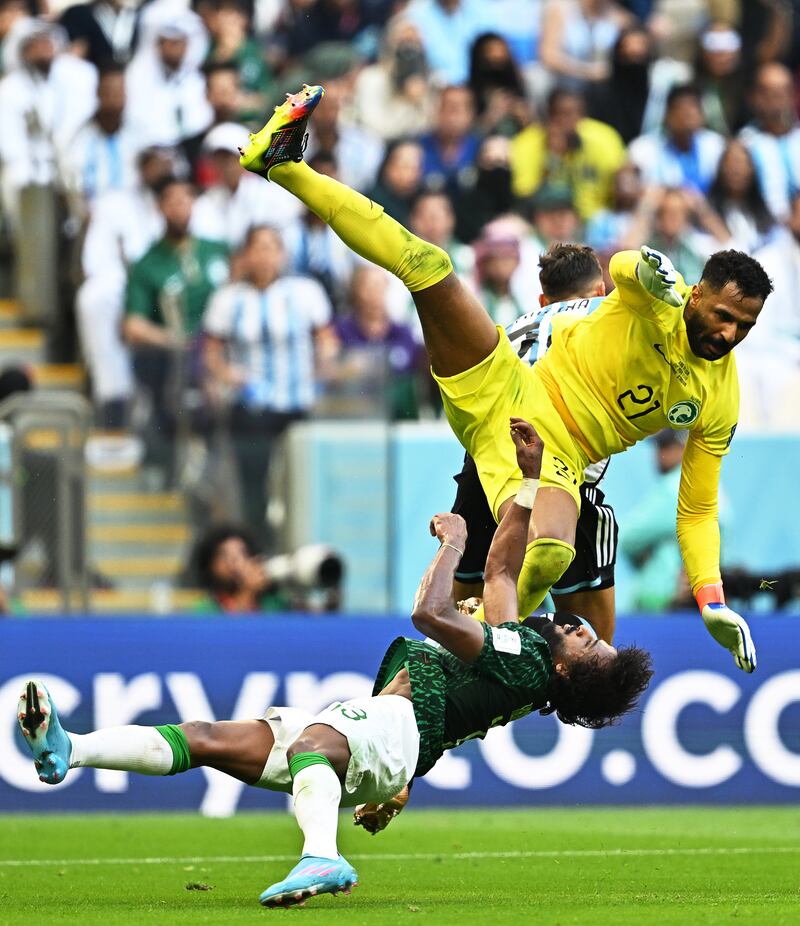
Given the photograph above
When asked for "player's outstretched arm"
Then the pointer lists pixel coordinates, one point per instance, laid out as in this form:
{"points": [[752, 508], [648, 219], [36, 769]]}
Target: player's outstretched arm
{"points": [[507, 552], [698, 536], [645, 277], [435, 613]]}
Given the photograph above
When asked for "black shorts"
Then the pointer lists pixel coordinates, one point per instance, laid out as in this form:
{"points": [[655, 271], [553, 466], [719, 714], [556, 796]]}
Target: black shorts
{"points": [[595, 536]]}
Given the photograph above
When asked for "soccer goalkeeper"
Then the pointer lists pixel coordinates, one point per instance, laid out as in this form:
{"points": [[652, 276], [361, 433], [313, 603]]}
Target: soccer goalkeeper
{"points": [[655, 355]]}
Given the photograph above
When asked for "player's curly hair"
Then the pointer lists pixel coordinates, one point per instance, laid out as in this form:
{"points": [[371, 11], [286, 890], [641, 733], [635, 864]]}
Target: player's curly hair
{"points": [[739, 268], [597, 692]]}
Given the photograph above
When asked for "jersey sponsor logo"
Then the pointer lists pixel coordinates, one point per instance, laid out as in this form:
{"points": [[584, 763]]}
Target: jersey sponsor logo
{"points": [[506, 641], [684, 413]]}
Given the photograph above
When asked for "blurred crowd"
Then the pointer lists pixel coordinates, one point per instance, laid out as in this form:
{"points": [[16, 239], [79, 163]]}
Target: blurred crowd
{"points": [[200, 297]]}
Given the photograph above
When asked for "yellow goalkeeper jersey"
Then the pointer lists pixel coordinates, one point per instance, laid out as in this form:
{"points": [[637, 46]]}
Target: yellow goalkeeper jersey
{"points": [[627, 371]]}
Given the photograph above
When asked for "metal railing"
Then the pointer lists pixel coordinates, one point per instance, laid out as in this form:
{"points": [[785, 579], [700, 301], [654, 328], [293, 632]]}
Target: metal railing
{"points": [[42, 491]]}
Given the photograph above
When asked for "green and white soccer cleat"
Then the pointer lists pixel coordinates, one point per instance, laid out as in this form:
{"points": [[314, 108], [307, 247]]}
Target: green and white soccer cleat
{"points": [[46, 738]]}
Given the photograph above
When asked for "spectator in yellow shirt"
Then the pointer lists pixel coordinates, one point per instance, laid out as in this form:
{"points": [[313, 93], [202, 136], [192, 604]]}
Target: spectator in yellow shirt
{"points": [[569, 149]]}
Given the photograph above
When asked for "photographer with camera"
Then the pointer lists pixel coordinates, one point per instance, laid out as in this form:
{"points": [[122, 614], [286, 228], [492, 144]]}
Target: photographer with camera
{"points": [[228, 565]]}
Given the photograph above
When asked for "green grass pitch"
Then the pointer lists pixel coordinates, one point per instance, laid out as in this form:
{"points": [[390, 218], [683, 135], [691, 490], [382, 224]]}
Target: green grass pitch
{"points": [[682, 866]]}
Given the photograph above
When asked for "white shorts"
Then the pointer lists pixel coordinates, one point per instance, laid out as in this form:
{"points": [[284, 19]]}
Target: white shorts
{"points": [[381, 733]]}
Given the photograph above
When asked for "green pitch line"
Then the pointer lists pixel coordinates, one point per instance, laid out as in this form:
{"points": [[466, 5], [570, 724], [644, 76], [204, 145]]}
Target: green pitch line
{"points": [[678, 867]]}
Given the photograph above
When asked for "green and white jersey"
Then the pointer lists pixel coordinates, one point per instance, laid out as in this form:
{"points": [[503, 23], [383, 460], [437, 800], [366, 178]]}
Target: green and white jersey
{"points": [[456, 701]]}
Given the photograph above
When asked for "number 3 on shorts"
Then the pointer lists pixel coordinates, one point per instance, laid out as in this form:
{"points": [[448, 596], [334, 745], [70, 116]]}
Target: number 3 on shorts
{"points": [[352, 713]]}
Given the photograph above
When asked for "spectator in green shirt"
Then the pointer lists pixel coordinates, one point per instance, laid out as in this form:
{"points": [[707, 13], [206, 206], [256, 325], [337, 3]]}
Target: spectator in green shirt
{"points": [[166, 295], [231, 43], [169, 286]]}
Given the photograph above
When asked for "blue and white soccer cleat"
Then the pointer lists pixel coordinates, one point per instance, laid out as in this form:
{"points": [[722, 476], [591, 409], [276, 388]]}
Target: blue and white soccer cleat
{"points": [[309, 877], [49, 743]]}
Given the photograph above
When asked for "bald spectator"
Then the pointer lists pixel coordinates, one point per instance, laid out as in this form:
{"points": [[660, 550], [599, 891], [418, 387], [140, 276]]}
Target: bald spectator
{"points": [[773, 137]]}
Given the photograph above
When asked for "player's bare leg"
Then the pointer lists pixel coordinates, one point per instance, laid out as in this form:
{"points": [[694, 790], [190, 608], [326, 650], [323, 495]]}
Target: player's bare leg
{"points": [[239, 748]]}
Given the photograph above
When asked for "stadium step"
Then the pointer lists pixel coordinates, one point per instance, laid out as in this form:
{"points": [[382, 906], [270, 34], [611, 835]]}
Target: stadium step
{"points": [[10, 313], [68, 377], [20, 346], [115, 601]]}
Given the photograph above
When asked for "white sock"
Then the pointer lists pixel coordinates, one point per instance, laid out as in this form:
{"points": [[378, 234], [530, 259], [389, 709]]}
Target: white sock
{"points": [[317, 794], [128, 749]]}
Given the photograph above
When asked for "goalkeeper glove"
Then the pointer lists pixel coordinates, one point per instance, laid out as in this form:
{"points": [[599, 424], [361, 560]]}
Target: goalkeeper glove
{"points": [[731, 631], [657, 276]]}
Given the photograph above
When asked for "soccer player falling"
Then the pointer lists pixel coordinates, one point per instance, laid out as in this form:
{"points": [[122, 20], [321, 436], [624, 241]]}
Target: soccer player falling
{"points": [[426, 699], [655, 355]]}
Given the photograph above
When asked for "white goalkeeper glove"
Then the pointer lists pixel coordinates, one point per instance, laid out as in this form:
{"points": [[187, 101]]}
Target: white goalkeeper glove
{"points": [[658, 277], [731, 631]]}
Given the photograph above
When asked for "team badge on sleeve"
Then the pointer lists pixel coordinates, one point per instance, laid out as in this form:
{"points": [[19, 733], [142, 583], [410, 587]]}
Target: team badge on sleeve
{"points": [[684, 413]]}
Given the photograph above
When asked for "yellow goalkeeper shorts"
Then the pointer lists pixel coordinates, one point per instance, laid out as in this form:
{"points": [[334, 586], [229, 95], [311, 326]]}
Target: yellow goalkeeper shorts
{"points": [[478, 404]]}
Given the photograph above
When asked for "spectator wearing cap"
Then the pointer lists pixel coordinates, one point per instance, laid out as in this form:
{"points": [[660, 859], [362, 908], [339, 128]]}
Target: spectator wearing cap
{"points": [[452, 145], [167, 100], [238, 200], [773, 137], [448, 28], [231, 43], [683, 154], [568, 149], [261, 335], [101, 156], [393, 97], [368, 329], [497, 258], [103, 30], [42, 103], [122, 226]]}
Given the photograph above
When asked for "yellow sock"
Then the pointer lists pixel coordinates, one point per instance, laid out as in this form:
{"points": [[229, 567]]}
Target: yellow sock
{"points": [[545, 562], [364, 226]]}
